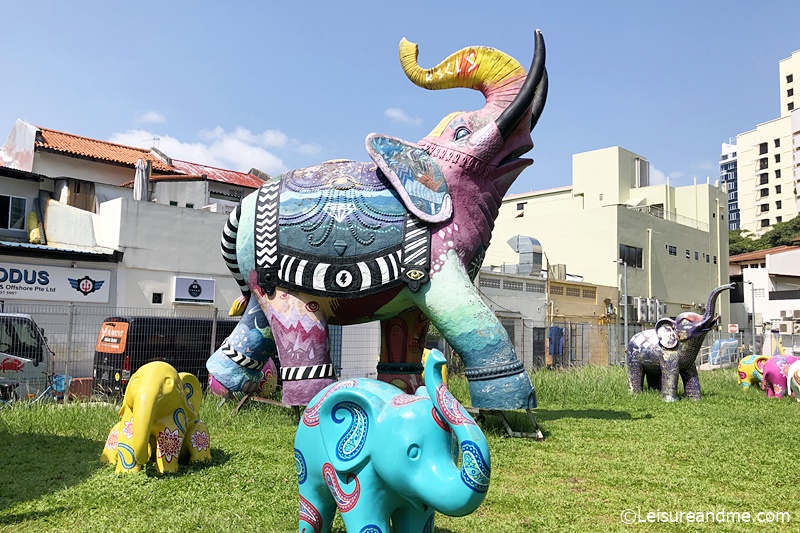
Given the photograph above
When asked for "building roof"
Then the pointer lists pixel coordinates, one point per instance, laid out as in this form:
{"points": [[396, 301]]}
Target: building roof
{"points": [[75, 145], [759, 254], [217, 174]]}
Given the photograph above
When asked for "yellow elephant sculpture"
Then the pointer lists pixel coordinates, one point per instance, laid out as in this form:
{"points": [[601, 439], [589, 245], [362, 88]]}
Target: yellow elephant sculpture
{"points": [[159, 420]]}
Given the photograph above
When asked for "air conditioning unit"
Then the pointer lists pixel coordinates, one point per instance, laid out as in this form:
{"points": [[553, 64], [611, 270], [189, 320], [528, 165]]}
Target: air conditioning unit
{"points": [[797, 314], [662, 309], [785, 327], [652, 310], [640, 308], [796, 328], [787, 313]]}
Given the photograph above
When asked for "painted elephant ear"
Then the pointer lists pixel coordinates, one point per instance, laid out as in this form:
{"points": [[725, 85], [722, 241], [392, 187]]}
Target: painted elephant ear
{"points": [[414, 174], [347, 425], [667, 336]]}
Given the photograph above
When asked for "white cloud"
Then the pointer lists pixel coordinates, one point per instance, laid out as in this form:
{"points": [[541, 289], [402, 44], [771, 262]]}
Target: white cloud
{"points": [[398, 115], [238, 150], [656, 176], [151, 117]]}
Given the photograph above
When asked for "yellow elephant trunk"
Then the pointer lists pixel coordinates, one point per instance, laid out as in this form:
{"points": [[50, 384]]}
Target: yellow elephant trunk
{"points": [[143, 413]]}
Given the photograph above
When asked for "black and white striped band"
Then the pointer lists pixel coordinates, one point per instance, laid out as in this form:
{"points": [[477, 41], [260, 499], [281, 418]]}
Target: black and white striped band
{"points": [[296, 373], [240, 359]]}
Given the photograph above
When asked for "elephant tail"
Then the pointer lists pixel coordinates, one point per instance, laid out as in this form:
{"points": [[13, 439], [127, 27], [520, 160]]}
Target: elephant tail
{"points": [[228, 246]]}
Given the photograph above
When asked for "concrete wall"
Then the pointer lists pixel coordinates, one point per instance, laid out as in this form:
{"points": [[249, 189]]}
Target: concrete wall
{"points": [[185, 193], [58, 166]]}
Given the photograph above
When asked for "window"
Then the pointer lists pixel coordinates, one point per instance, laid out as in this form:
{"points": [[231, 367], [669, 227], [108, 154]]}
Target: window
{"points": [[513, 285], [777, 143], [697, 256], [789, 92], [778, 219], [778, 204], [708, 258], [589, 293], [173, 203], [190, 206], [763, 192], [790, 106], [715, 259], [12, 212], [764, 222], [556, 290], [777, 158], [534, 287], [763, 179], [733, 195], [762, 163], [573, 291], [789, 78], [600, 197], [777, 189], [521, 206], [631, 255], [764, 208], [672, 250], [762, 148], [492, 283], [778, 173]]}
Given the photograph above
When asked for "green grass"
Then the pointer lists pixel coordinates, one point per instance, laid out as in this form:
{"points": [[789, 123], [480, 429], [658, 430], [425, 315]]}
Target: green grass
{"points": [[605, 451]]}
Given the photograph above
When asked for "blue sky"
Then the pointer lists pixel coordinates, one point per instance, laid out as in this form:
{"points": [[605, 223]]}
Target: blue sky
{"points": [[279, 85]]}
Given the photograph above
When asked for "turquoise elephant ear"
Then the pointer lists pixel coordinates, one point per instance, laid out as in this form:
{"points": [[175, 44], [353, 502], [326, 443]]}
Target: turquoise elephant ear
{"points": [[414, 174]]}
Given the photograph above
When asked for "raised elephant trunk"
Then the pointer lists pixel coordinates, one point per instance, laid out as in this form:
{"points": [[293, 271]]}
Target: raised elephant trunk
{"points": [[712, 301], [462, 494]]}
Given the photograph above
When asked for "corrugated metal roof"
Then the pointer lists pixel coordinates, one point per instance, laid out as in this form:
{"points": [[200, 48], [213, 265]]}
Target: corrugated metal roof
{"points": [[216, 174], [45, 248], [760, 254], [67, 143]]}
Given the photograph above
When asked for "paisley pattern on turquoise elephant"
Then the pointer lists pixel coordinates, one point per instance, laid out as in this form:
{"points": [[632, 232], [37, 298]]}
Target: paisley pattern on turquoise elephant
{"points": [[776, 372], [398, 239], [382, 457], [669, 351], [751, 370], [159, 421]]}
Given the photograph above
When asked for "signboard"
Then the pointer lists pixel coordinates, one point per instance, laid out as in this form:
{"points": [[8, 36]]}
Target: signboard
{"points": [[194, 290], [51, 283], [733, 328], [112, 337]]}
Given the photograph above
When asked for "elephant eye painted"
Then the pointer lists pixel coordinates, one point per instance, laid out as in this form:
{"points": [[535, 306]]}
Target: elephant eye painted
{"points": [[461, 133], [414, 452]]}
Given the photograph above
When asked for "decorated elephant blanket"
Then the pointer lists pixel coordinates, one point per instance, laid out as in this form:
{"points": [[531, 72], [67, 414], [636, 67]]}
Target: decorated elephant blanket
{"points": [[337, 230]]}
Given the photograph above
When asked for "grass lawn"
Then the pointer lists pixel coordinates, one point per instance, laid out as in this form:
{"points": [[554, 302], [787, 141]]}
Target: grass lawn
{"points": [[605, 451]]}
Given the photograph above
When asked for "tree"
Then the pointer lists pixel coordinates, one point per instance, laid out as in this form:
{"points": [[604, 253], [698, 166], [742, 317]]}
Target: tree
{"points": [[781, 234], [740, 242]]}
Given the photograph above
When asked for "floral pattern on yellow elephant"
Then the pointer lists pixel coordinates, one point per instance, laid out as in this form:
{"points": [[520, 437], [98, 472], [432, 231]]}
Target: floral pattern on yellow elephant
{"points": [[751, 370], [159, 421]]}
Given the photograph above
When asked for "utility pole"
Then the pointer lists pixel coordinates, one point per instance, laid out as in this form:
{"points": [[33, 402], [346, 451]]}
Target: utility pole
{"points": [[625, 301]]}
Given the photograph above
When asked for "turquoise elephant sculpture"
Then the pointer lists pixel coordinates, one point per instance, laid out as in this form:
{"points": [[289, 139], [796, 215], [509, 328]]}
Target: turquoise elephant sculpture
{"points": [[751, 370], [159, 421], [381, 456], [398, 239]]}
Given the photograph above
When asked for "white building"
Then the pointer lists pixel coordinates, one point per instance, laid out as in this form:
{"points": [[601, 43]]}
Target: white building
{"points": [[673, 240], [767, 175]]}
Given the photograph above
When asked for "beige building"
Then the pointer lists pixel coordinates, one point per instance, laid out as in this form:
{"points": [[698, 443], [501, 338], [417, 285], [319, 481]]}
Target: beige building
{"points": [[766, 161], [673, 239]]}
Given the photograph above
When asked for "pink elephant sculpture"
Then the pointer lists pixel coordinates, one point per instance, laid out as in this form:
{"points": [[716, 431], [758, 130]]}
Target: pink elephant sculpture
{"points": [[776, 370]]}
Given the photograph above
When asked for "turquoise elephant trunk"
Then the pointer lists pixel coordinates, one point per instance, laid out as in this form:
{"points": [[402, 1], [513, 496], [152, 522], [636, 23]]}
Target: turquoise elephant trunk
{"points": [[385, 459]]}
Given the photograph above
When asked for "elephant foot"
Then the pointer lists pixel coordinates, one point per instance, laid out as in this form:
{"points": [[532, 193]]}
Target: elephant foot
{"points": [[301, 392], [669, 399], [493, 388]]}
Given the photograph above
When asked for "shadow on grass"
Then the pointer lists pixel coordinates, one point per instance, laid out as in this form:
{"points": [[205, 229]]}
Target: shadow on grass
{"points": [[30, 516], [34, 465], [493, 424]]}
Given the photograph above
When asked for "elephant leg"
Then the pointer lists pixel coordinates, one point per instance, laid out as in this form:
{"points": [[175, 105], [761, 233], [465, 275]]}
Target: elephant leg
{"points": [[196, 444], [691, 383], [169, 434], [109, 454], [300, 330], [402, 344], [317, 508], [669, 379], [635, 375], [497, 378], [237, 364]]}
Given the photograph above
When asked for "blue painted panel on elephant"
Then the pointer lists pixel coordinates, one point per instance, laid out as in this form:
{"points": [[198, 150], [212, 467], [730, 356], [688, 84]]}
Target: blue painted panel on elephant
{"points": [[341, 229]]}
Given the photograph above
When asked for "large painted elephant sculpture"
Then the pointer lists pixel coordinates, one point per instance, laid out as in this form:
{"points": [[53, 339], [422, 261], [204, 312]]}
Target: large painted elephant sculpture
{"points": [[379, 455], [397, 239], [668, 351], [159, 420]]}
